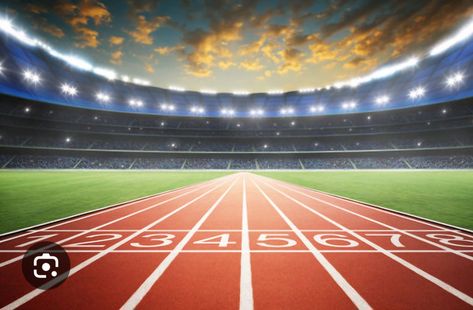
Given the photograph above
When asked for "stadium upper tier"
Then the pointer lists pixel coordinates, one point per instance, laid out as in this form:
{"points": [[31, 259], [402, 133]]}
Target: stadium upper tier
{"points": [[31, 71]]}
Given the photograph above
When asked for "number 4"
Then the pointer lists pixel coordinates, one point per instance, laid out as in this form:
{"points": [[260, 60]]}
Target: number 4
{"points": [[222, 240]]}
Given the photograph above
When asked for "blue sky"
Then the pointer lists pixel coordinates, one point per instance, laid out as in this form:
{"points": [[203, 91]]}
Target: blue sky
{"points": [[240, 45]]}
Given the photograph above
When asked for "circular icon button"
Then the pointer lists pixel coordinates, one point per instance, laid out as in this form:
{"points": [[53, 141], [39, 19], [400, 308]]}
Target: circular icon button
{"points": [[46, 265]]}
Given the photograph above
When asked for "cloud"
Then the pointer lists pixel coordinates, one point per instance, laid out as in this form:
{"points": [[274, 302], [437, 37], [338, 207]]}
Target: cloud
{"points": [[292, 60], [149, 68], [78, 16], [42, 24], [251, 65], [144, 29], [206, 46], [36, 8], [116, 40], [225, 64], [116, 57]]}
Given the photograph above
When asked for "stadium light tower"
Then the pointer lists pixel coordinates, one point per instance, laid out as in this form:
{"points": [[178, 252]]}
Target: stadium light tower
{"points": [[68, 90]]}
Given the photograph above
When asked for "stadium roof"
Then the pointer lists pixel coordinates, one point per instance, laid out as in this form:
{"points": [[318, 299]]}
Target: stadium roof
{"points": [[33, 70]]}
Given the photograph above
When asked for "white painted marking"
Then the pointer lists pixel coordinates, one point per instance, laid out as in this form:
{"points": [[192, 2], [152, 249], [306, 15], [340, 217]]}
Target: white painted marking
{"points": [[394, 229], [354, 296], [246, 287], [32, 294], [140, 293], [14, 259], [445, 286]]}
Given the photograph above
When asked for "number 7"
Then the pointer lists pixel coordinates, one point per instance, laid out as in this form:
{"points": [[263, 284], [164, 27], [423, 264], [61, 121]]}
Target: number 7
{"points": [[395, 239]]}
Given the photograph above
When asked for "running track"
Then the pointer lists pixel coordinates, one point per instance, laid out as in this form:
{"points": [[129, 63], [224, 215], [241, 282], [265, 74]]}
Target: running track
{"points": [[245, 241]]}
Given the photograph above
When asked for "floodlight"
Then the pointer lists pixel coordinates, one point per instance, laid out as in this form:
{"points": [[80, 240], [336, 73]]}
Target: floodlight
{"points": [[417, 93], [382, 100], [455, 79], [68, 89], [103, 97], [31, 77]]}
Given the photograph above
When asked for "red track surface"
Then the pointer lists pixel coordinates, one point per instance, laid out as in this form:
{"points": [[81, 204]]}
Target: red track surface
{"points": [[272, 246]]}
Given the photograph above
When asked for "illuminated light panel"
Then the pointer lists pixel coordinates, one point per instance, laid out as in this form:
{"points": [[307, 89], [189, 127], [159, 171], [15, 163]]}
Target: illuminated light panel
{"points": [[306, 90], [125, 78], [106, 73], [417, 93], [177, 88], [241, 93], [135, 102], [382, 100], [167, 107], [349, 105], [463, 34], [68, 89], [139, 81], [275, 92], [31, 77], [256, 112], [103, 97], [208, 91], [455, 79]]}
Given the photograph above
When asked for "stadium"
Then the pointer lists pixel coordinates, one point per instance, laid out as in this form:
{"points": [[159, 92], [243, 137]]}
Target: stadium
{"points": [[354, 194]]}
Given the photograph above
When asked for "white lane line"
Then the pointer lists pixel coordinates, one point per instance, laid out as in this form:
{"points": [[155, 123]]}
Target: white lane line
{"points": [[32, 294], [140, 293], [17, 258], [354, 296], [80, 216], [445, 286], [239, 251], [246, 287], [239, 230], [448, 249], [396, 213]]}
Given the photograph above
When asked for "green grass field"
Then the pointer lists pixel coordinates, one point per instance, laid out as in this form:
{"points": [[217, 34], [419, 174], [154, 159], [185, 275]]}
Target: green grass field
{"points": [[32, 197], [445, 196]]}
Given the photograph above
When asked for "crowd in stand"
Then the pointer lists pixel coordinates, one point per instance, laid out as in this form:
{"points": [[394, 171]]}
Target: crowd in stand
{"points": [[76, 162], [218, 145]]}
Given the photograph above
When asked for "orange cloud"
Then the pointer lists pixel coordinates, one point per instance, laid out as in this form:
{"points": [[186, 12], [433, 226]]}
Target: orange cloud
{"points": [[116, 40], [149, 68], [144, 29], [79, 15], [251, 65], [116, 57], [292, 61]]}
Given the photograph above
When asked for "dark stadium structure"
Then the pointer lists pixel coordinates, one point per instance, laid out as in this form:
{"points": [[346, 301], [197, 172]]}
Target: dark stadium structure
{"points": [[418, 122]]}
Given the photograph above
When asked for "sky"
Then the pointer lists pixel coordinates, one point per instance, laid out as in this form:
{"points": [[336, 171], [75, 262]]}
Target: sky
{"points": [[250, 45]]}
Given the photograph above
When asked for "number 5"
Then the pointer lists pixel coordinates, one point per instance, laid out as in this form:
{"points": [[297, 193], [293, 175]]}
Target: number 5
{"points": [[279, 238]]}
